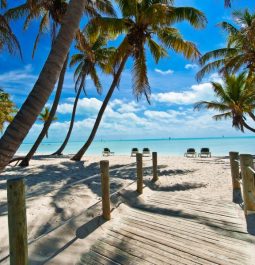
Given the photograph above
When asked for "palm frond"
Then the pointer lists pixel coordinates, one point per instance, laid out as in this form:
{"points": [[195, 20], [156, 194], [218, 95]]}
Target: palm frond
{"points": [[195, 17], [140, 79], [222, 116], [229, 28], [96, 80], [172, 39], [208, 68], [42, 27], [156, 50], [8, 38]]}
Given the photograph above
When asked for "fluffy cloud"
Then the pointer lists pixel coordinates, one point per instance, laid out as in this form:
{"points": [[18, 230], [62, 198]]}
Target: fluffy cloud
{"points": [[85, 105], [166, 72], [191, 66], [194, 94]]}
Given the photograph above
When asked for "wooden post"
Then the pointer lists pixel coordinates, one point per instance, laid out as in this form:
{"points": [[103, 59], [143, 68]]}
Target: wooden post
{"points": [[235, 175], [139, 170], [104, 166], [155, 166], [247, 177], [17, 221]]}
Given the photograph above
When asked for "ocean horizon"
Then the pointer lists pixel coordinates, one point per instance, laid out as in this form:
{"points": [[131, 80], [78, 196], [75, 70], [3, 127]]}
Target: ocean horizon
{"points": [[219, 146]]}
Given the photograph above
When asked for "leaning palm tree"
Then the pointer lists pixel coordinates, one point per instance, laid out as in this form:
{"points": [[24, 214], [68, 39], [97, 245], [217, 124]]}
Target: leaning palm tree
{"points": [[235, 99], [92, 54], [26, 116], [240, 49], [143, 23], [51, 14], [45, 116]]}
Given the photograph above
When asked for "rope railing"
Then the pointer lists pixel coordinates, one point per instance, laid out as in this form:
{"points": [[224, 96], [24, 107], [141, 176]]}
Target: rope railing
{"points": [[243, 175]]}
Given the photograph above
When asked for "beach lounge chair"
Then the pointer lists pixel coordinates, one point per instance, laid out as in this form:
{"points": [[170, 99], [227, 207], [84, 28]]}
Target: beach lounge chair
{"points": [[107, 152], [134, 151], [146, 151], [190, 152], [205, 152]]}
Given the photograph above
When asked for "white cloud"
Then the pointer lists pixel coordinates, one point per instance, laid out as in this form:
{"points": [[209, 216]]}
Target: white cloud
{"points": [[166, 72], [194, 94], [191, 66], [85, 105]]}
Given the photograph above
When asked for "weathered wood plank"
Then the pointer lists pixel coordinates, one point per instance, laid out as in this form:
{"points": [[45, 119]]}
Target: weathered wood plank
{"points": [[153, 247], [198, 251], [210, 246], [117, 255], [165, 246], [194, 229]]}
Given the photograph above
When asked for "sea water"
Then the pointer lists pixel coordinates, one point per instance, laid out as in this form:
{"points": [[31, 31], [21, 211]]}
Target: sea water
{"points": [[219, 146]]}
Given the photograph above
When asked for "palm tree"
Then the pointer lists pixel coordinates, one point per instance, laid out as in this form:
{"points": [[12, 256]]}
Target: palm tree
{"points": [[7, 37], [240, 50], [7, 109], [236, 99], [143, 22], [45, 116], [26, 116], [51, 13], [92, 54]]}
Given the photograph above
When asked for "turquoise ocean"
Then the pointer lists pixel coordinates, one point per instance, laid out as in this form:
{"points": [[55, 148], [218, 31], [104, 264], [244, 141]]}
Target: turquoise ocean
{"points": [[219, 146]]}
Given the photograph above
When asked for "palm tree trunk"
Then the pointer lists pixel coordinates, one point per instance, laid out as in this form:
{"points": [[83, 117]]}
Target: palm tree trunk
{"points": [[247, 126], [81, 152], [44, 132], [25, 118], [62, 147]]}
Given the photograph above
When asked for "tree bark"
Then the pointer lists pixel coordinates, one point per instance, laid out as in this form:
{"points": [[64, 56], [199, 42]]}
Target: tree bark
{"points": [[81, 152], [62, 147], [44, 132], [25, 118]]}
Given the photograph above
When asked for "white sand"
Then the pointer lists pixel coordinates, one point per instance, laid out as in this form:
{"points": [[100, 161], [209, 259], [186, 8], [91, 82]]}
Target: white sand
{"points": [[58, 189]]}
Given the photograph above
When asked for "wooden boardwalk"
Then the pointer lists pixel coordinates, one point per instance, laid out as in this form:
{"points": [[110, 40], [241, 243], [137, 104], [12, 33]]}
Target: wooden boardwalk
{"points": [[173, 229]]}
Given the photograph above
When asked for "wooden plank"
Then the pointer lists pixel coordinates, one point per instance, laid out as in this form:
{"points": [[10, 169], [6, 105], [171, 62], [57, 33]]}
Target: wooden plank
{"points": [[117, 255], [180, 245], [165, 246], [136, 250], [186, 237], [198, 216], [199, 238], [153, 247], [194, 229], [224, 209], [203, 211]]}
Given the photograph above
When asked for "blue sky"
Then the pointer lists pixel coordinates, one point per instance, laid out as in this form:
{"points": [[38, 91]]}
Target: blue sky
{"points": [[173, 85]]}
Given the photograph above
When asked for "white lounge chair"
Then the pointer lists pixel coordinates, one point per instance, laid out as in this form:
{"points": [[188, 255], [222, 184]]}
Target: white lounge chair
{"points": [[190, 152], [205, 152], [107, 152], [146, 151], [134, 151]]}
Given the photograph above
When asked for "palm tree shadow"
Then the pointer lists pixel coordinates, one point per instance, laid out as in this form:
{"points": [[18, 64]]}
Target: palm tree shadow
{"points": [[81, 233], [176, 187]]}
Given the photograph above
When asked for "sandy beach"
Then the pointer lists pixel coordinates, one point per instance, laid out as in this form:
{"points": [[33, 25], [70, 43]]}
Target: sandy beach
{"points": [[59, 189]]}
